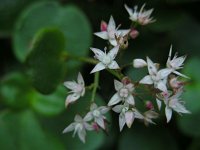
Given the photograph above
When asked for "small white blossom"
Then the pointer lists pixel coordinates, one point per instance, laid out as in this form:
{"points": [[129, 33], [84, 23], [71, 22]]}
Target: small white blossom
{"points": [[106, 59], [97, 113], [112, 32], [139, 63], [173, 103], [142, 17], [124, 93], [77, 89], [126, 115], [79, 126], [176, 63], [158, 78]]}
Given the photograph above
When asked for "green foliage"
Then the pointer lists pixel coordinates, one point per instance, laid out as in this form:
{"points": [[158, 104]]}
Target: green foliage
{"points": [[45, 60], [69, 19], [142, 138], [21, 130]]}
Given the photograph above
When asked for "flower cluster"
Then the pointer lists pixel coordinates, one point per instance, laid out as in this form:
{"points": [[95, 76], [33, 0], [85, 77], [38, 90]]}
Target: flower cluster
{"points": [[164, 85]]}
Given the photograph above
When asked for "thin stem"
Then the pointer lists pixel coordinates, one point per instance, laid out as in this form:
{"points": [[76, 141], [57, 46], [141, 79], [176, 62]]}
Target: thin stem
{"points": [[96, 84]]}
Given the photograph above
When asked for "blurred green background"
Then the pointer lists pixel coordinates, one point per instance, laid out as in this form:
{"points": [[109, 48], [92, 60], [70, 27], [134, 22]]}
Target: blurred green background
{"points": [[36, 35]]}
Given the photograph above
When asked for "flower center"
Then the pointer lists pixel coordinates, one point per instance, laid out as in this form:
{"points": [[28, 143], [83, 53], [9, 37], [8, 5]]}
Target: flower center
{"points": [[79, 126], [96, 113], [106, 60], [124, 110], [123, 92]]}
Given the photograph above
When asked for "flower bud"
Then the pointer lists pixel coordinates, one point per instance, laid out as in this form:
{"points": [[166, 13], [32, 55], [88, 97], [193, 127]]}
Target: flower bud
{"points": [[175, 84], [133, 33], [149, 105], [95, 126], [126, 80], [103, 26], [139, 63]]}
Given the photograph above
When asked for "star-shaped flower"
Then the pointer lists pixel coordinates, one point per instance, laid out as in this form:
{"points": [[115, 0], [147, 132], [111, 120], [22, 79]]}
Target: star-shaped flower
{"points": [[148, 116], [106, 59], [142, 17], [77, 89], [112, 32], [173, 103], [124, 93], [97, 113], [79, 126], [176, 63], [126, 115], [158, 78]]}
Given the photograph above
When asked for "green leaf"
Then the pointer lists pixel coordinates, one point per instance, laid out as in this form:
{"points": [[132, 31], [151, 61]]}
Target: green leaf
{"points": [[49, 105], [25, 132], [69, 19], [15, 90], [45, 60], [142, 138]]}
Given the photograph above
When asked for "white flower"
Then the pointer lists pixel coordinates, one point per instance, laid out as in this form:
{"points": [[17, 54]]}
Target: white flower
{"points": [[174, 103], [106, 59], [77, 89], [124, 93], [126, 115], [142, 17], [148, 116], [112, 32], [79, 126], [176, 63], [158, 78], [139, 63], [97, 113]]}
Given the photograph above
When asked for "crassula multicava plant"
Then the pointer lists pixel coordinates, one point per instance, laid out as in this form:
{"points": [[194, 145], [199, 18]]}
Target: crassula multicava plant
{"points": [[164, 84]]}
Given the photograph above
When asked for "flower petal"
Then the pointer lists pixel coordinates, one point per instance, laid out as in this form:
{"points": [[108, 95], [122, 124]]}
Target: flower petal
{"points": [[168, 113], [159, 103], [71, 98], [180, 74], [117, 108], [162, 86], [114, 100], [113, 42], [163, 73], [88, 117], [100, 66], [99, 54], [129, 10], [80, 79], [82, 134], [93, 106], [151, 67], [130, 100], [103, 35], [146, 80], [122, 121], [88, 126], [78, 118], [103, 109], [69, 128], [138, 114], [113, 65], [70, 85], [111, 24], [100, 122], [118, 85], [113, 52], [129, 117]]}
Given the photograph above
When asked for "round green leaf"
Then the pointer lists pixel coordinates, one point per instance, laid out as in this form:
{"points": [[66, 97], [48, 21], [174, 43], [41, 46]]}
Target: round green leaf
{"points": [[49, 105], [26, 133], [69, 19], [45, 60], [15, 90], [142, 138]]}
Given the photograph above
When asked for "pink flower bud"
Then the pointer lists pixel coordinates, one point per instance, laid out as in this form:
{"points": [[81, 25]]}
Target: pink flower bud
{"points": [[95, 126], [103, 26], [133, 33], [149, 105], [126, 80], [139, 63]]}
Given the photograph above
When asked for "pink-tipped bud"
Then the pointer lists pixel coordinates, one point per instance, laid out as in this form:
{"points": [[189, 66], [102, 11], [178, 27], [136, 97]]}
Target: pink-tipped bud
{"points": [[149, 105], [139, 63], [95, 126], [133, 33], [103, 26], [126, 80], [165, 94]]}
